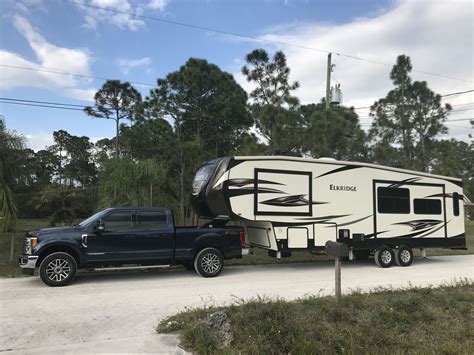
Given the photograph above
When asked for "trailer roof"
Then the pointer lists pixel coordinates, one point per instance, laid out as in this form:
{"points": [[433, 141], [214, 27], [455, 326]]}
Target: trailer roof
{"points": [[341, 162]]}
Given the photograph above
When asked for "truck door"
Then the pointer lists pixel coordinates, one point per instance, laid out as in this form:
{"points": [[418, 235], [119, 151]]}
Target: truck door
{"points": [[409, 211], [115, 242], [154, 235]]}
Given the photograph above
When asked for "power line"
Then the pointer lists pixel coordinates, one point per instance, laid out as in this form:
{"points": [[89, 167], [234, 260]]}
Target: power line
{"points": [[457, 93], [38, 105], [50, 71], [445, 95], [41, 102], [240, 35], [462, 109]]}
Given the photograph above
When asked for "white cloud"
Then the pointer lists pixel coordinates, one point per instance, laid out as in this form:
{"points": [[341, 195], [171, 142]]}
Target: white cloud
{"points": [[40, 140], [158, 4], [437, 35], [49, 57], [122, 19], [128, 64]]}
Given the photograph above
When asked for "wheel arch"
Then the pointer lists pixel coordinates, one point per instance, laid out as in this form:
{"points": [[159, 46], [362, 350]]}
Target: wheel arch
{"points": [[208, 241], [54, 248]]}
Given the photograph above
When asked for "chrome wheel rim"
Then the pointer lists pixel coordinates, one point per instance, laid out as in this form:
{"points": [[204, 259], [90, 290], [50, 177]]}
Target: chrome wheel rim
{"points": [[386, 257], [405, 256], [58, 270], [210, 263]]}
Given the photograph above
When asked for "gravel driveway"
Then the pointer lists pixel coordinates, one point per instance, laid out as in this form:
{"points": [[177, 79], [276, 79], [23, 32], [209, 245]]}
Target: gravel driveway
{"points": [[118, 311]]}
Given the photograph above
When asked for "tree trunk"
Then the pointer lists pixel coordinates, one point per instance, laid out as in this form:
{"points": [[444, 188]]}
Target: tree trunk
{"points": [[117, 138], [151, 194]]}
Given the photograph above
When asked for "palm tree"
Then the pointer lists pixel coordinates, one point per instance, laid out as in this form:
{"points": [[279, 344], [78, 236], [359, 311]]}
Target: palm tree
{"points": [[10, 144]]}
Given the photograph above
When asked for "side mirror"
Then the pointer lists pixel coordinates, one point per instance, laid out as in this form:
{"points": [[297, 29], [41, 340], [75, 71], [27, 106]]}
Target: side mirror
{"points": [[100, 226]]}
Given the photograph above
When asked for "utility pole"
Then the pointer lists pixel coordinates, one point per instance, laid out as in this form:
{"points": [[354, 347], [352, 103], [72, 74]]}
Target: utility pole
{"points": [[328, 82], [328, 99]]}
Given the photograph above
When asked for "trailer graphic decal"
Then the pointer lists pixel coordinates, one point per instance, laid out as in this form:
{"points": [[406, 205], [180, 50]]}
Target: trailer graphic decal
{"points": [[251, 191], [243, 182], [338, 170], [403, 182], [420, 223], [292, 200]]}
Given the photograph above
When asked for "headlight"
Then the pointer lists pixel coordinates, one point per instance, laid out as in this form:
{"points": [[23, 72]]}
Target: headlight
{"points": [[29, 244]]}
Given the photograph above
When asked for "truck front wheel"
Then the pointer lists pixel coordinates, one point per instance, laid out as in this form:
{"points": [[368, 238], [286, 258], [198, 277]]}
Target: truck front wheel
{"points": [[58, 269], [209, 262]]}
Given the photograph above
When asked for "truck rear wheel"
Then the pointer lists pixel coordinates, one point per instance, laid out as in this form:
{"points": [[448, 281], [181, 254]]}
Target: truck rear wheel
{"points": [[404, 255], [209, 262], [58, 269], [384, 256]]}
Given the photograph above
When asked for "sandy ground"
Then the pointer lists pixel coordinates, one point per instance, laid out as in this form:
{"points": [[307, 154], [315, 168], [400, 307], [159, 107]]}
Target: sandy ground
{"points": [[118, 311]]}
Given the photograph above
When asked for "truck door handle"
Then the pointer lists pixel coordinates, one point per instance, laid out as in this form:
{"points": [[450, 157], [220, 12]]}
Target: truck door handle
{"points": [[84, 240]]}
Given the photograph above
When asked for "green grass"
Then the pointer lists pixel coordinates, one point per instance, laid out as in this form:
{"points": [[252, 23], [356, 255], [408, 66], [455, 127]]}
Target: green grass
{"points": [[9, 268], [411, 321], [257, 257]]}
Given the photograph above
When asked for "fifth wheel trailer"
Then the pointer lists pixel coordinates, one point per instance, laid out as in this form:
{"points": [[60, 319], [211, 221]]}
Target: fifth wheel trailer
{"points": [[291, 204]]}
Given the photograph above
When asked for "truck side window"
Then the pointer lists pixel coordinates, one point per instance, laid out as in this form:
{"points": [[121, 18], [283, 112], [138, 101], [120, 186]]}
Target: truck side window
{"points": [[118, 221], [393, 200], [152, 220], [456, 203]]}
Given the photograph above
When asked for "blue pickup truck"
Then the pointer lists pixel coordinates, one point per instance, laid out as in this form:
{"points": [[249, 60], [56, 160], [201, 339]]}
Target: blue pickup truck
{"points": [[123, 236]]}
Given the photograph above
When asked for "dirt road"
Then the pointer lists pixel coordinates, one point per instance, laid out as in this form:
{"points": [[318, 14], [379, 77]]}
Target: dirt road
{"points": [[118, 312]]}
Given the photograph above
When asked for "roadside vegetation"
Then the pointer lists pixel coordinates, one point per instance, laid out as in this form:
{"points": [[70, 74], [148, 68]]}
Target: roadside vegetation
{"points": [[414, 320]]}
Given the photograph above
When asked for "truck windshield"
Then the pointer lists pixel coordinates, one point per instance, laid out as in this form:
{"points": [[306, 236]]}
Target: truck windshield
{"points": [[93, 218], [203, 175]]}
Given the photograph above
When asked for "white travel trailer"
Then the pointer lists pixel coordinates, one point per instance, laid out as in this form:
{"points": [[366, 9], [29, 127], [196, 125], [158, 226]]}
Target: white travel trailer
{"points": [[288, 204]]}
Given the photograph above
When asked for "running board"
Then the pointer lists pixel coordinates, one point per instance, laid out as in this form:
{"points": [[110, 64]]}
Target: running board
{"points": [[131, 267]]}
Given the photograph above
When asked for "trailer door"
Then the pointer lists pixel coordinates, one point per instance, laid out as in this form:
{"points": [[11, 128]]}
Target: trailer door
{"points": [[410, 211]]}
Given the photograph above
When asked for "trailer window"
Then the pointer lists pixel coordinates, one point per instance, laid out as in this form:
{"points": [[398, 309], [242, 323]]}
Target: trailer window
{"points": [[393, 200], [456, 204], [426, 206]]}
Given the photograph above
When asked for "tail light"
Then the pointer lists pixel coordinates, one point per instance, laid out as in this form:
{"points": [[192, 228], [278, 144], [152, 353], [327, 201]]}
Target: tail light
{"points": [[242, 238]]}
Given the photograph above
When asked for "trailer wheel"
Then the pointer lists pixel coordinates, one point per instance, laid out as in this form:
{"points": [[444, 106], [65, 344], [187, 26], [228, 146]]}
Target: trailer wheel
{"points": [[209, 262], [384, 256], [404, 255]]}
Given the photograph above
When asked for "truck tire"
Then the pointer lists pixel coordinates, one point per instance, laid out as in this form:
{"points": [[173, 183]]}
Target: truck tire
{"points": [[209, 262], [58, 269], [384, 256], [403, 255]]}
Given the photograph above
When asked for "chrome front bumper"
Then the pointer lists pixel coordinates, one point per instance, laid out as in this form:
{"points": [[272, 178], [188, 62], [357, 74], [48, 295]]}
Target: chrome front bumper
{"points": [[27, 261]]}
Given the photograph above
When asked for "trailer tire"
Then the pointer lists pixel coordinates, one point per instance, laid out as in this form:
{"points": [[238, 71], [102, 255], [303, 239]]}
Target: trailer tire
{"points": [[58, 269], [384, 256], [403, 255], [209, 262]]}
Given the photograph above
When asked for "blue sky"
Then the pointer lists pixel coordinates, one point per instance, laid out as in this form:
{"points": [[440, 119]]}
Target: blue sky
{"points": [[60, 36]]}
